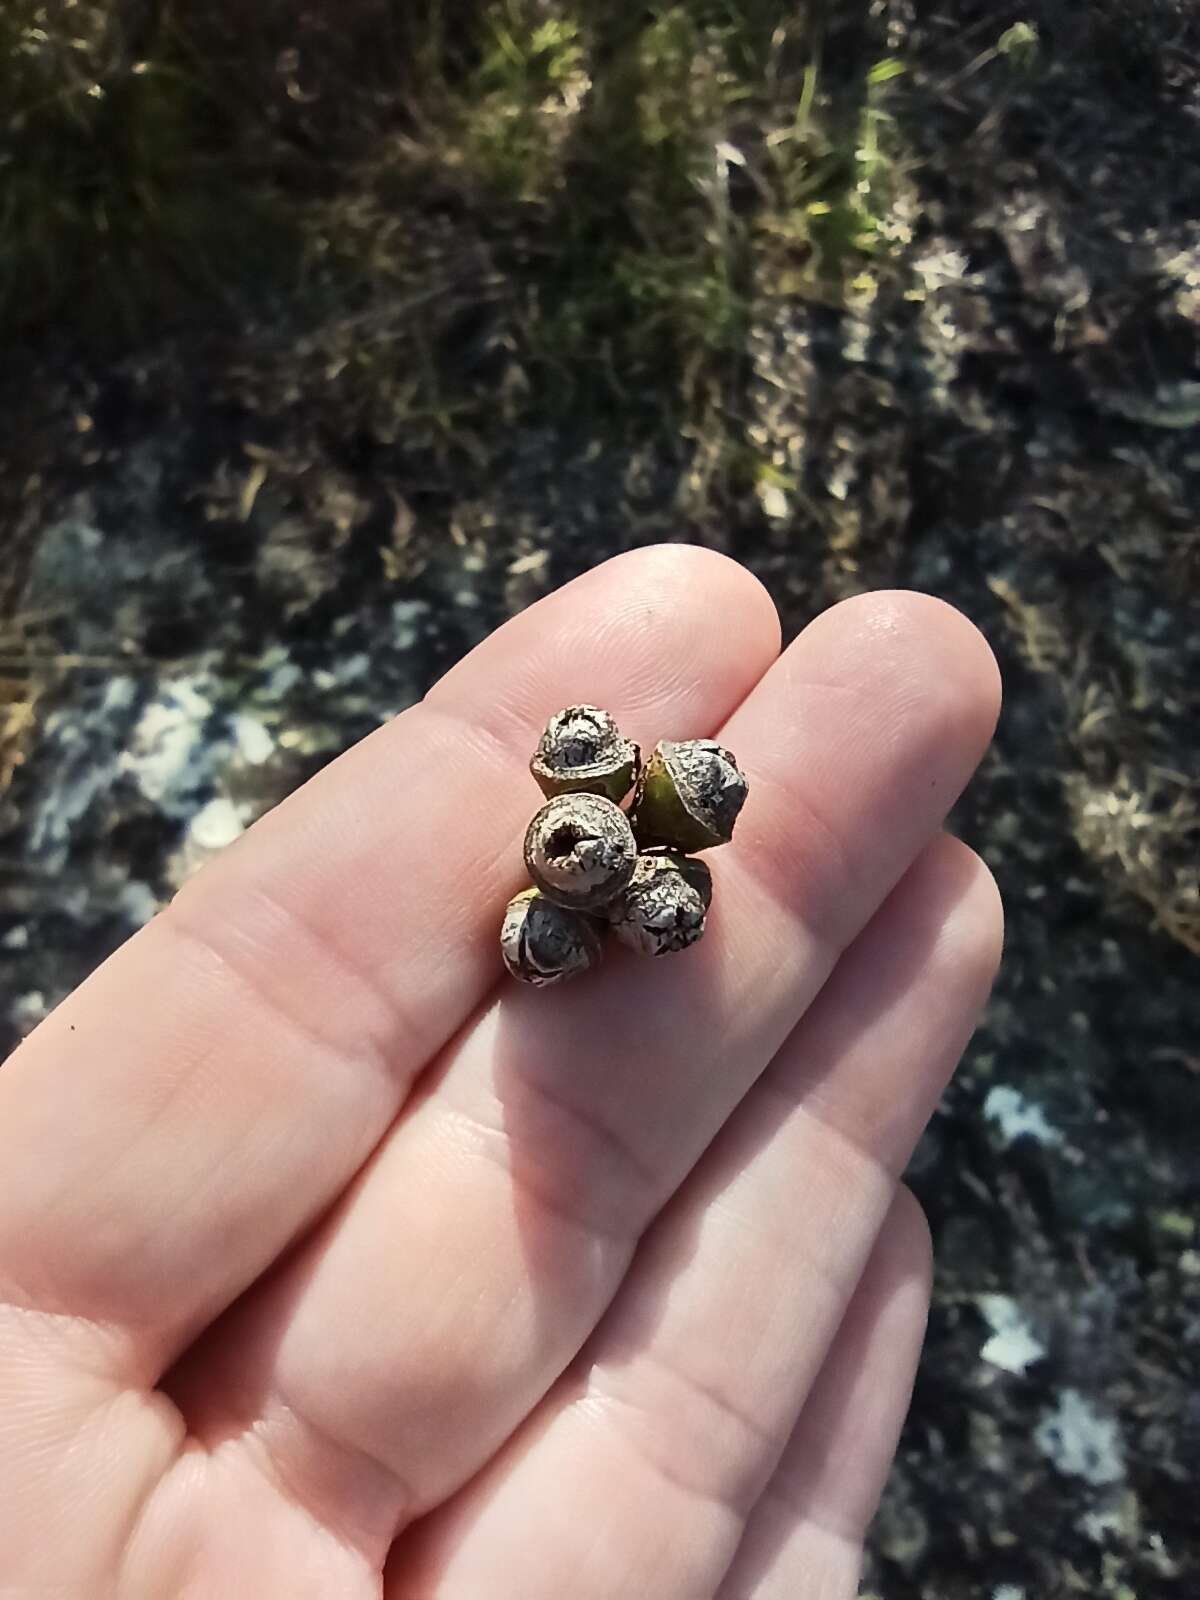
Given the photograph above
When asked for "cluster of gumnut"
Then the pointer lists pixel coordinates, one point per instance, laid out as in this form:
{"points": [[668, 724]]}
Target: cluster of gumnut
{"points": [[596, 866]]}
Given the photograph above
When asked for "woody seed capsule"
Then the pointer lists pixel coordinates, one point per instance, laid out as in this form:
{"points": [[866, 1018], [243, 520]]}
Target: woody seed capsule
{"points": [[665, 906], [543, 943], [582, 751], [580, 851], [689, 795]]}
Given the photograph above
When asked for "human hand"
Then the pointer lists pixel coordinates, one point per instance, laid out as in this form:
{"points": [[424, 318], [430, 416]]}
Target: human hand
{"points": [[333, 1265]]}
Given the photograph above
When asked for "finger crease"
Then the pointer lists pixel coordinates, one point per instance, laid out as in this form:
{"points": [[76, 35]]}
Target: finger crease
{"points": [[242, 975], [740, 1467], [276, 1459], [562, 1189], [126, 1366]]}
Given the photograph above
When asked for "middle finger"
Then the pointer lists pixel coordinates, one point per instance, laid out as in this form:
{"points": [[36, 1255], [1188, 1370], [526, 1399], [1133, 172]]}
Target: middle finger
{"points": [[389, 1360]]}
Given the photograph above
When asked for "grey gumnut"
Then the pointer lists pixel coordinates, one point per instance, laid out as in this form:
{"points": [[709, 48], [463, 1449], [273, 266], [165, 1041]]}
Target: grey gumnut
{"points": [[580, 851], [543, 943], [665, 907], [582, 751]]}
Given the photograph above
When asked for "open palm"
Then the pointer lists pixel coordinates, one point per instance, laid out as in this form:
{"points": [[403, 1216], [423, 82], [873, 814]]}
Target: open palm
{"points": [[330, 1266]]}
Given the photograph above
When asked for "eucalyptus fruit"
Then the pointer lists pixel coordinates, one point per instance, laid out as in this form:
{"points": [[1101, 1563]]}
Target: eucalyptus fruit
{"points": [[580, 851], [665, 905], [688, 796], [582, 751], [543, 943], [596, 867]]}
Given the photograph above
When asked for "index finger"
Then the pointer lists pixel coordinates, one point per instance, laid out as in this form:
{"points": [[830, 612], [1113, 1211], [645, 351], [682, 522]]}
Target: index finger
{"points": [[185, 1115]]}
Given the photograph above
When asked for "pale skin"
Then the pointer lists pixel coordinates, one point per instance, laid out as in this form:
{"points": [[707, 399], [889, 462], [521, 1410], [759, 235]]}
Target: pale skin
{"points": [[333, 1264]]}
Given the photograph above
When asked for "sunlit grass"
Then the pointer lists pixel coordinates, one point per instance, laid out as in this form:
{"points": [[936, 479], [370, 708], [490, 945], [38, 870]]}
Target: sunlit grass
{"points": [[577, 192]]}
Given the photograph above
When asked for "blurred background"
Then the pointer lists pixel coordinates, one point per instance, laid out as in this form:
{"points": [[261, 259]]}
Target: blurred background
{"points": [[333, 335]]}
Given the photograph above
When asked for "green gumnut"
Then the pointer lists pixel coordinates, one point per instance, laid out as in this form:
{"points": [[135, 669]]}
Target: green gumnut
{"points": [[689, 796]]}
